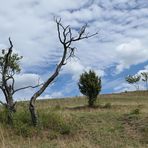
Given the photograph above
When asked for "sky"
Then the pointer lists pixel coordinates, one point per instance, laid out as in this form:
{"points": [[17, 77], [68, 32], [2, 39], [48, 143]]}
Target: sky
{"points": [[119, 49]]}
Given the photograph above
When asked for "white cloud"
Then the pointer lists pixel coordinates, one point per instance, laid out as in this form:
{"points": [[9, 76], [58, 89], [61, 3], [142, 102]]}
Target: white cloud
{"points": [[24, 80], [124, 86], [75, 68], [146, 67], [128, 87], [53, 95], [27, 79], [131, 53], [121, 42]]}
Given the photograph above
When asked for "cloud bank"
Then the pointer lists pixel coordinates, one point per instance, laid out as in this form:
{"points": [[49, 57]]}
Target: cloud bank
{"points": [[120, 45]]}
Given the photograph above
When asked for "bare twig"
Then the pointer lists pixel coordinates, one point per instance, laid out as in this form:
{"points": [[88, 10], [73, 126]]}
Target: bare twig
{"points": [[27, 87]]}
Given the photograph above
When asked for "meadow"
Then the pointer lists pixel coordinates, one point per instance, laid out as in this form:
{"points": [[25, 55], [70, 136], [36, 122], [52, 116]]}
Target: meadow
{"points": [[117, 121]]}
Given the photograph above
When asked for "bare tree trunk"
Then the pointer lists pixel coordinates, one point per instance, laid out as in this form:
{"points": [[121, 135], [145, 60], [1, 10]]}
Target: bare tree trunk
{"points": [[32, 109], [34, 115], [11, 110], [10, 116], [66, 38], [146, 85]]}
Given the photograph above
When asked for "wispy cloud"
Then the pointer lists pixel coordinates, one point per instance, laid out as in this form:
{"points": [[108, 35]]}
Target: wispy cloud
{"points": [[122, 40]]}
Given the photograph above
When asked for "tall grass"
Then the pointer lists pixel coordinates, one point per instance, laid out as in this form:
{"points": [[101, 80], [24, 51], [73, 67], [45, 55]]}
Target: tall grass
{"points": [[119, 120]]}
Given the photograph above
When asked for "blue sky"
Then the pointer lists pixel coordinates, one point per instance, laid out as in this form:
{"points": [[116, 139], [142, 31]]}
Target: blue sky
{"points": [[120, 48]]}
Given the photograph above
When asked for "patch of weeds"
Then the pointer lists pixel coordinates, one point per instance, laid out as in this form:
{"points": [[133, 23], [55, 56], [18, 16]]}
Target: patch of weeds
{"points": [[3, 115], [65, 129], [52, 135], [137, 125], [56, 122], [142, 128], [22, 116], [107, 105], [57, 107], [135, 111], [131, 118], [22, 129], [22, 124]]}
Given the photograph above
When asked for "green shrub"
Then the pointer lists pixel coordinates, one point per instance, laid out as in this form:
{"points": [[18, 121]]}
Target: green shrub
{"points": [[90, 86]]}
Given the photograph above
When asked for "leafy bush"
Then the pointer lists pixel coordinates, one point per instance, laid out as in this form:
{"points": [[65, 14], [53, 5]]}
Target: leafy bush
{"points": [[90, 86]]}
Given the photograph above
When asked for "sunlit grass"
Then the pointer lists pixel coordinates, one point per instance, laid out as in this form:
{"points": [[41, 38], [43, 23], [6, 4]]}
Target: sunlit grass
{"points": [[69, 123]]}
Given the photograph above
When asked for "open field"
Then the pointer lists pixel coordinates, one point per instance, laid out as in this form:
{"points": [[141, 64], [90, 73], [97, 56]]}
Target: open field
{"points": [[118, 121]]}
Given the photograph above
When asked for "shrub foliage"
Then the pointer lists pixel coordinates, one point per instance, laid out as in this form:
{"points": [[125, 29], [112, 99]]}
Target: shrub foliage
{"points": [[90, 86]]}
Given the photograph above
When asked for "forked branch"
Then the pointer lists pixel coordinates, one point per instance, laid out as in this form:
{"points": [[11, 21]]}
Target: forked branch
{"points": [[66, 38]]}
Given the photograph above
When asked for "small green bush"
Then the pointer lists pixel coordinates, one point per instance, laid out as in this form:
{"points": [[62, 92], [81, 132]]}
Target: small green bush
{"points": [[90, 86]]}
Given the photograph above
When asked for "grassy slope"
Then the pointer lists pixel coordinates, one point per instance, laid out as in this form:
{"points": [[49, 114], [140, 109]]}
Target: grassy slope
{"points": [[68, 123]]}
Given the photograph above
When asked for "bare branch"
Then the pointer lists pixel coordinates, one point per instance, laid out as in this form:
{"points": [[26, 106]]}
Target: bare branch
{"points": [[66, 39], [11, 45], [27, 87], [58, 29]]}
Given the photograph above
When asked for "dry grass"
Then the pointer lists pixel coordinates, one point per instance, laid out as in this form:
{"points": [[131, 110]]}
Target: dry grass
{"points": [[120, 126]]}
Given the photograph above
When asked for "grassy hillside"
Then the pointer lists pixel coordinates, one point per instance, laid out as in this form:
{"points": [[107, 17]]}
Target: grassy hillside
{"points": [[118, 121]]}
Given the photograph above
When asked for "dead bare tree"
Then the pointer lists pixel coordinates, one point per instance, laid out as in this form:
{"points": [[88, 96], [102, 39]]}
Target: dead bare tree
{"points": [[67, 39], [9, 67]]}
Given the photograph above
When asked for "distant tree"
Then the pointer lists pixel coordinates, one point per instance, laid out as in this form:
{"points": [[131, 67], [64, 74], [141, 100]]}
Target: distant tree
{"points": [[67, 39], [145, 78], [9, 67], [90, 86], [133, 80]]}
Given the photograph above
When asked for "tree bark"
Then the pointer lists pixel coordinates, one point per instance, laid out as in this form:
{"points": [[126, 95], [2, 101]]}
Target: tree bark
{"points": [[32, 109], [34, 115], [11, 110], [66, 38]]}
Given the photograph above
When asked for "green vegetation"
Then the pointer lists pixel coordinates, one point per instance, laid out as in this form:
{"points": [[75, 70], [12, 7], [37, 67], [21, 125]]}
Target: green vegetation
{"points": [[117, 121], [133, 80], [9, 67], [145, 79], [90, 86]]}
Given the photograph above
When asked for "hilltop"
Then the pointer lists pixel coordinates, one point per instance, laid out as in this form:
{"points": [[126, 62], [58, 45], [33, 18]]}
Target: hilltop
{"points": [[118, 120]]}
